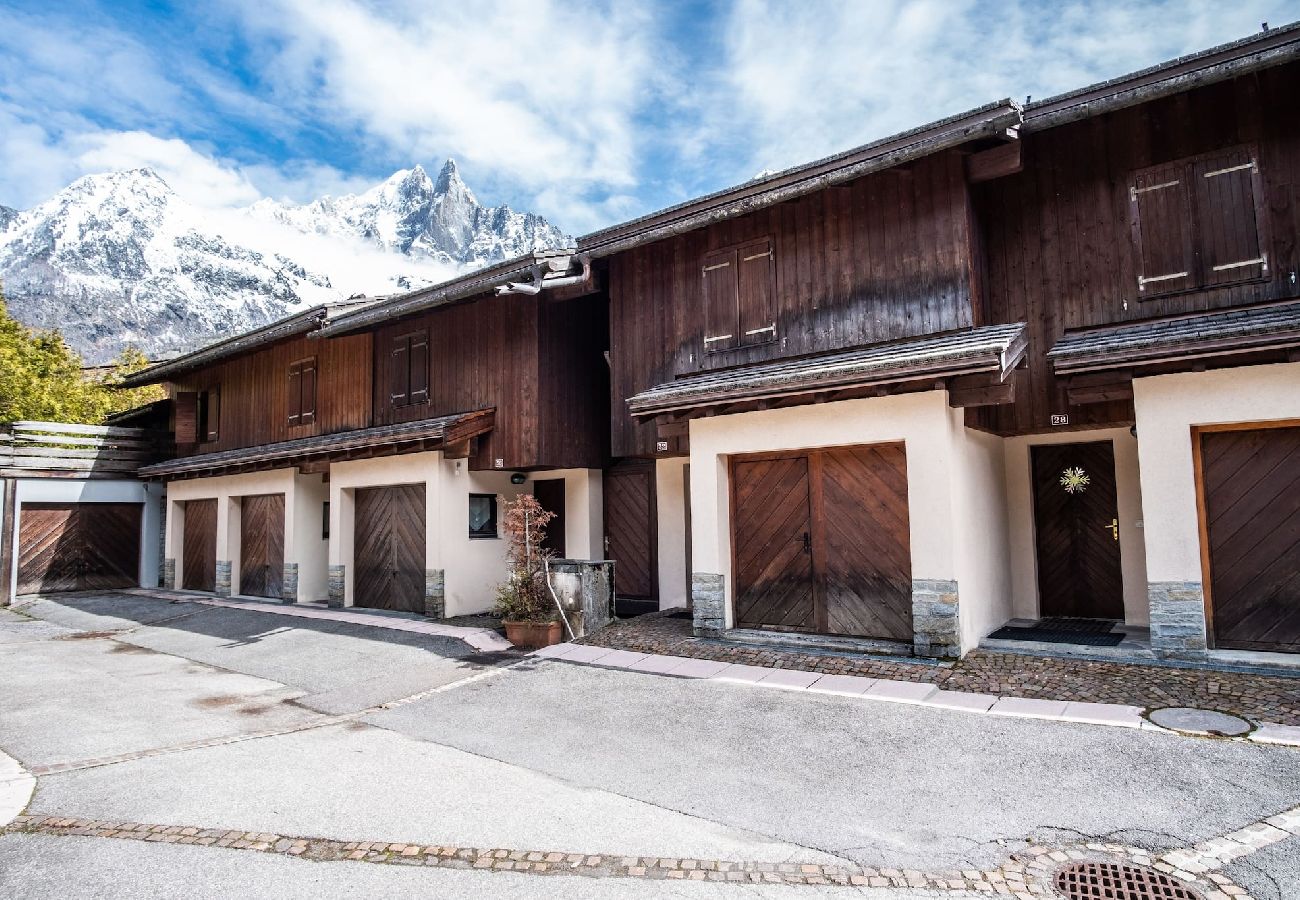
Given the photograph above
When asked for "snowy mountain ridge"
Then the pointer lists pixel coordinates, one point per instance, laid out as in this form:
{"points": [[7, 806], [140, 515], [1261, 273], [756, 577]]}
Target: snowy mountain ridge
{"points": [[120, 259]]}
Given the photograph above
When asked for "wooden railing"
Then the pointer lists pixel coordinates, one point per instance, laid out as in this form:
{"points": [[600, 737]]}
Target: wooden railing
{"points": [[57, 448]]}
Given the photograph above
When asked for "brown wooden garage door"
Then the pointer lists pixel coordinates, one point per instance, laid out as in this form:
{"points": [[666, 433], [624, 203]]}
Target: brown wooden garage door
{"points": [[389, 548], [261, 560], [78, 547], [199, 546], [820, 541], [1250, 490]]}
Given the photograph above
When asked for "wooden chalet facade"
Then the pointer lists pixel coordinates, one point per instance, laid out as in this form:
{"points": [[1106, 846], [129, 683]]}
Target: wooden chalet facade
{"points": [[1029, 362]]}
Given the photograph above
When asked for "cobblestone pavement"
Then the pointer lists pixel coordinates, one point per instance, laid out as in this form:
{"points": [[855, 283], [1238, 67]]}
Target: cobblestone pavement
{"points": [[1260, 697], [1026, 875]]}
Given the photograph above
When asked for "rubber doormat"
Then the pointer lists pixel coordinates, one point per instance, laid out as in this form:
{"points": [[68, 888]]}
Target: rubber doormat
{"points": [[1084, 632]]}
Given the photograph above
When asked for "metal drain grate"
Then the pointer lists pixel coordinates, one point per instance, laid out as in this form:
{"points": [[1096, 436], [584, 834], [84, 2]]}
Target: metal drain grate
{"points": [[1116, 881]]}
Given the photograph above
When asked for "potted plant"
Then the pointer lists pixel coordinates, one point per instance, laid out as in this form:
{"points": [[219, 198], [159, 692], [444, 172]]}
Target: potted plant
{"points": [[524, 600]]}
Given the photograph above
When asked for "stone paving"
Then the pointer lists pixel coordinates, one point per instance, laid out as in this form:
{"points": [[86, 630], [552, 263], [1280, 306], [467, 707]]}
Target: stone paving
{"points": [[1025, 875], [1262, 698]]}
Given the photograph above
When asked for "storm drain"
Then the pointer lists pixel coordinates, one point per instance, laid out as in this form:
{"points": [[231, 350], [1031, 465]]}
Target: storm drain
{"points": [[1116, 881]]}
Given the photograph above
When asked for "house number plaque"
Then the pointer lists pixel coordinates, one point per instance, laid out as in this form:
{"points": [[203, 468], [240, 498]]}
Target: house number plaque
{"points": [[1060, 419]]}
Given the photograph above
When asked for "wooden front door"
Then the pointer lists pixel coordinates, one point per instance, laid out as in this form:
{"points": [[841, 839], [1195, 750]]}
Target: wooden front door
{"points": [[821, 543], [78, 547], [388, 546], [199, 550], [630, 530], [1250, 494], [261, 560], [550, 494], [1076, 527]]}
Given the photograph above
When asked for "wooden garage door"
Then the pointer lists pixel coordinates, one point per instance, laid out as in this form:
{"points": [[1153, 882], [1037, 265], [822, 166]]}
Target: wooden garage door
{"points": [[261, 559], [820, 541], [1251, 528], [389, 548], [199, 546], [78, 547], [630, 530]]}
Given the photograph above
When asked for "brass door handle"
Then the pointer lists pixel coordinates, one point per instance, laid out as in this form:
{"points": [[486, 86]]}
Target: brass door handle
{"points": [[1114, 528]]}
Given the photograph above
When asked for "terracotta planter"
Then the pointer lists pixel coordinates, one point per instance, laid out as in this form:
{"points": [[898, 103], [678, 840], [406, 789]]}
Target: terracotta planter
{"points": [[534, 635]]}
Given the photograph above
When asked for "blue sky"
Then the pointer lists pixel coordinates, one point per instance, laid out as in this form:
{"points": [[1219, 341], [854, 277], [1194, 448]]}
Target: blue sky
{"points": [[587, 112]]}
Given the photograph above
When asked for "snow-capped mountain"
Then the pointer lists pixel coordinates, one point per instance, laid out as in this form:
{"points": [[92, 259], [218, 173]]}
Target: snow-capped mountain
{"points": [[120, 259]]}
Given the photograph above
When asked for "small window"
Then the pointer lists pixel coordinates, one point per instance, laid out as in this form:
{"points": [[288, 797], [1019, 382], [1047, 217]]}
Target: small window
{"points": [[409, 369], [739, 290], [209, 414], [325, 521], [301, 403], [482, 515]]}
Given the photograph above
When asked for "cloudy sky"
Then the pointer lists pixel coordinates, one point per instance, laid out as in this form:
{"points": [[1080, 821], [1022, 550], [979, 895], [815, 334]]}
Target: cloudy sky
{"points": [[587, 112]]}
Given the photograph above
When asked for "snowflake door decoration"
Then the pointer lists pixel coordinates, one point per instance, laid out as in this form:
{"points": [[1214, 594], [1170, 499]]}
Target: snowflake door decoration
{"points": [[1075, 480]]}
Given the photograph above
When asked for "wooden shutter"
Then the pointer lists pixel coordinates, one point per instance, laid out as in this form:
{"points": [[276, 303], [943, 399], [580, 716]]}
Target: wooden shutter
{"points": [[1163, 230], [187, 417], [213, 418], [399, 370], [307, 391], [419, 360], [721, 308], [295, 394], [756, 280], [1228, 190]]}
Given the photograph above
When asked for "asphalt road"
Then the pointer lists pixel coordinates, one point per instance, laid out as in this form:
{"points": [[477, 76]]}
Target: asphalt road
{"points": [[544, 755]]}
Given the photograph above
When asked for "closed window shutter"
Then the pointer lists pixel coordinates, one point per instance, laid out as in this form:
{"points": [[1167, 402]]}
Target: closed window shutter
{"points": [[307, 392], [187, 417], [213, 418], [721, 312], [295, 394], [756, 286], [1228, 192], [1163, 228], [399, 369], [420, 368]]}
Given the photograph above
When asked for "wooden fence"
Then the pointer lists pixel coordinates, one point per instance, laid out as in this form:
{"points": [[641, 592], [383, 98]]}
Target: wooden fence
{"points": [[58, 449]]}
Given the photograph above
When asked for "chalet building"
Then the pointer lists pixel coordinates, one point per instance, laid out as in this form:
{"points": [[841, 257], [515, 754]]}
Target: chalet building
{"points": [[1031, 362]]}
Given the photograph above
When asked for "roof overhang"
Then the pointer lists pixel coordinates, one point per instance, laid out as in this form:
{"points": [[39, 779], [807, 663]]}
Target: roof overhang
{"points": [[443, 433], [993, 351], [1241, 332]]}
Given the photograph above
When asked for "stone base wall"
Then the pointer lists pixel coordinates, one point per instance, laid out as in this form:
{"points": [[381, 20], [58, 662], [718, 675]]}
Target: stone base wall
{"points": [[336, 585], [708, 600], [169, 574], [935, 623], [1177, 618], [435, 593], [289, 583], [224, 570]]}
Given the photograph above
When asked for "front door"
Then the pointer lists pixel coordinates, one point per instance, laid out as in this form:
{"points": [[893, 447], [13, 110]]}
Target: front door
{"points": [[199, 546], [630, 530], [1076, 524], [389, 548], [821, 541], [549, 492], [261, 561]]}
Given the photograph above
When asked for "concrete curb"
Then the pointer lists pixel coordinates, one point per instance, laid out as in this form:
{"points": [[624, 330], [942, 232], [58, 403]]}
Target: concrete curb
{"points": [[1112, 715], [16, 786]]}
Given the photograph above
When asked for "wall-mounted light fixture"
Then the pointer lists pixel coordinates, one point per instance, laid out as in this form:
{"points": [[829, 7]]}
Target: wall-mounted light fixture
{"points": [[518, 478]]}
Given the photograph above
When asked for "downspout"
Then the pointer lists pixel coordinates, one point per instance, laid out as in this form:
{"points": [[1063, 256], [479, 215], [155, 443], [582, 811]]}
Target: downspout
{"points": [[541, 283]]}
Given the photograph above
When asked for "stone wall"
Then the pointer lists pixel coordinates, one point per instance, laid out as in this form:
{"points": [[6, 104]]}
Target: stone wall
{"points": [[708, 599], [289, 583], [337, 583], [435, 593], [224, 569], [1177, 618], [935, 624]]}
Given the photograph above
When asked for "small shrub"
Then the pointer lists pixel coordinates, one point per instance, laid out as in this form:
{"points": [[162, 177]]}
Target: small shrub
{"points": [[524, 595]]}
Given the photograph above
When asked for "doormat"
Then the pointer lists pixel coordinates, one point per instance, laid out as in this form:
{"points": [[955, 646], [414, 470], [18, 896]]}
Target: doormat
{"points": [[1068, 623], [1043, 632], [681, 614]]}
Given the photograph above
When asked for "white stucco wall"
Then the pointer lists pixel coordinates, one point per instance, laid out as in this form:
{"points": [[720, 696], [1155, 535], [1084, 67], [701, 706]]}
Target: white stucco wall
{"points": [[929, 428], [983, 557], [72, 490], [311, 549], [584, 512], [1020, 510], [1167, 407], [670, 503]]}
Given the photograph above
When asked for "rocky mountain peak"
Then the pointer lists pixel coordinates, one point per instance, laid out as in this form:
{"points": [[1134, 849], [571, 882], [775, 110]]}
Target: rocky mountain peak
{"points": [[7, 215]]}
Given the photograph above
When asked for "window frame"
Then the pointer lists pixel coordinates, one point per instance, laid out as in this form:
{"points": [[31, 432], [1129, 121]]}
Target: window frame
{"points": [[296, 390], [733, 304], [408, 343], [493, 520]]}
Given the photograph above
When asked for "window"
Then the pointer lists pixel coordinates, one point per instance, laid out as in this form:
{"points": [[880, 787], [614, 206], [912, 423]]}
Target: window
{"points": [[482, 515], [409, 369], [209, 414], [302, 392], [1198, 223], [325, 521], [739, 290]]}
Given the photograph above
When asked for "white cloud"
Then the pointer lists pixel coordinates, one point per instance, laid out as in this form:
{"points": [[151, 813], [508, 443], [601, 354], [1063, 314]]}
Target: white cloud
{"points": [[198, 178]]}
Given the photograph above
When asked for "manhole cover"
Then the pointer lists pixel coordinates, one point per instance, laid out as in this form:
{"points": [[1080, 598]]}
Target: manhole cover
{"points": [[1199, 721], [1116, 881]]}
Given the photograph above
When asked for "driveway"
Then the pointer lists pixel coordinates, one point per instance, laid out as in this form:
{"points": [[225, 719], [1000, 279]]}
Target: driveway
{"points": [[165, 735]]}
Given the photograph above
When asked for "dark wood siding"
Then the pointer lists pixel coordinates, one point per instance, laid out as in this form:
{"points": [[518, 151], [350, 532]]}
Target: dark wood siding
{"points": [[1060, 249], [884, 257], [255, 404], [78, 547]]}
